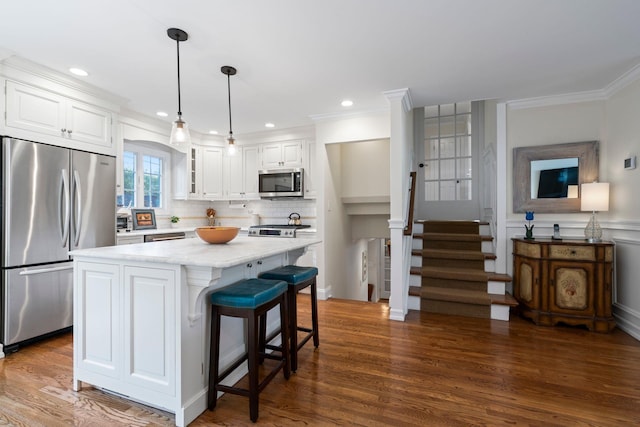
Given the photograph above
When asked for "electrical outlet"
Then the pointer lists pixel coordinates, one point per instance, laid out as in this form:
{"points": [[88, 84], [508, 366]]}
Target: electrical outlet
{"points": [[630, 162]]}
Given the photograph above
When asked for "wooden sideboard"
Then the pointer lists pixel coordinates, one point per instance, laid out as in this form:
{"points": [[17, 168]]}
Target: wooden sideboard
{"points": [[564, 281]]}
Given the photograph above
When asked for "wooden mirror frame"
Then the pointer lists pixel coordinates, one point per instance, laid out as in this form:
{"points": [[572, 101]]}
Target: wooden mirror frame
{"points": [[587, 154]]}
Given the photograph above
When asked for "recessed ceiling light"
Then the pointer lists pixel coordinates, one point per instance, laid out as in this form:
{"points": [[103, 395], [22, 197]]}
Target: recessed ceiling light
{"points": [[78, 72], [213, 132], [269, 125], [346, 103], [161, 114]]}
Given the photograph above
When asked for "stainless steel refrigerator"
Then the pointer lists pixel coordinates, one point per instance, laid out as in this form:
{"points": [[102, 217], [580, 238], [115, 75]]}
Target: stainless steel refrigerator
{"points": [[53, 200]]}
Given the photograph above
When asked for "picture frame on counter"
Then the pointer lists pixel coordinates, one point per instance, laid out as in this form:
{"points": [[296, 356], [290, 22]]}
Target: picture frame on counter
{"points": [[143, 219]]}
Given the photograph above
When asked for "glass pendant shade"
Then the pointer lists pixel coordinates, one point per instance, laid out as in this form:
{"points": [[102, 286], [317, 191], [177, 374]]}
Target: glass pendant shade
{"points": [[180, 136], [231, 145]]}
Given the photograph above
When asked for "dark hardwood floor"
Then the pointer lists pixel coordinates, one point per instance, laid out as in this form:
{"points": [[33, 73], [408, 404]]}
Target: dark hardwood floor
{"points": [[430, 370]]}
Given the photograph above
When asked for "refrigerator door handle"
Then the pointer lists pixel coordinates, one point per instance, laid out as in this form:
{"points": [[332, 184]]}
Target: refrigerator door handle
{"points": [[78, 205], [45, 270], [63, 204]]}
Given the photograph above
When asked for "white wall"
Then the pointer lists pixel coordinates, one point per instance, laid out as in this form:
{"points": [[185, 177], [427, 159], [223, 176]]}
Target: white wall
{"points": [[614, 123], [623, 221], [337, 258], [365, 168]]}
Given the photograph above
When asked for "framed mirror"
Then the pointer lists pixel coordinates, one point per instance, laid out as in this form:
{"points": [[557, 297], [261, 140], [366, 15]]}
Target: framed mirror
{"points": [[545, 176]]}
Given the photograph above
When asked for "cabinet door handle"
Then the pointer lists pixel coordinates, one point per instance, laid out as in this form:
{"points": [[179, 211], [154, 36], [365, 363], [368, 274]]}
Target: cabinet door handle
{"points": [[63, 130], [69, 131], [259, 262], [249, 265]]}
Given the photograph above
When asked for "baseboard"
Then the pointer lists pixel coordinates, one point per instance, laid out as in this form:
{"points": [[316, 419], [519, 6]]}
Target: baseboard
{"points": [[627, 320]]}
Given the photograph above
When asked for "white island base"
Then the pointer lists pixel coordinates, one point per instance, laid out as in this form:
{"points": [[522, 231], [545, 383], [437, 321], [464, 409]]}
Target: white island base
{"points": [[141, 316]]}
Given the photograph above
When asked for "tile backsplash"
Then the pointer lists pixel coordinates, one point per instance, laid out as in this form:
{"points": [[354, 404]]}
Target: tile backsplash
{"points": [[240, 213]]}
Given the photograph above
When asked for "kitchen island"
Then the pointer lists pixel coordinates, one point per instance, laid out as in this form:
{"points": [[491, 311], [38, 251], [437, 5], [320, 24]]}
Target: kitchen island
{"points": [[141, 318]]}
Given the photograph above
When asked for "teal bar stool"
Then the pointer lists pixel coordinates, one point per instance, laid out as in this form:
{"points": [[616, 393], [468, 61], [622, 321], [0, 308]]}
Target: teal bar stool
{"points": [[298, 278], [250, 299]]}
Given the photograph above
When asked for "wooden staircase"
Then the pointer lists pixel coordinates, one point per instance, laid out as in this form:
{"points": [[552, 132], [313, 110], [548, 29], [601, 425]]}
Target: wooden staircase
{"points": [[453, 271]]}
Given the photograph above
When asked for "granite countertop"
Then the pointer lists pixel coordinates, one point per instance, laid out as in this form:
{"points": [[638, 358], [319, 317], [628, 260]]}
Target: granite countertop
{"points": [[198, 253]]}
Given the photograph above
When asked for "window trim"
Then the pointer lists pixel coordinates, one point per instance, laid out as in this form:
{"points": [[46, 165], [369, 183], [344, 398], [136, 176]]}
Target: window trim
{"points": [[142, 148]]}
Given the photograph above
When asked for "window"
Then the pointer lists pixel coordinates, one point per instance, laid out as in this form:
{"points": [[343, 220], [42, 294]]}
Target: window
{"points": [[145, 176], [448, 152]]}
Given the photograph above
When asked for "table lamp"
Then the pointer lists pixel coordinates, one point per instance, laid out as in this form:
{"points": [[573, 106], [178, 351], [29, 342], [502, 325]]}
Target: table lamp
{"points": [[594, 197]]}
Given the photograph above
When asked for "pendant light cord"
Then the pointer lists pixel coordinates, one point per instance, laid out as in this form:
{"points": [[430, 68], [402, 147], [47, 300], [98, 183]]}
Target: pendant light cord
{"points": [[179, 99], [229, 92]]}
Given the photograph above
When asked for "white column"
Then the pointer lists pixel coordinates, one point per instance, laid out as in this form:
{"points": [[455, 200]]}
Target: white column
{"points": [[501, 188], [400, 157], [1, 352]]}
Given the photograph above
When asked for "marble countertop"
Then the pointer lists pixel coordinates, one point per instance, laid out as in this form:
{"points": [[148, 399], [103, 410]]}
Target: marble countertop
{"points": [[199, 253]]}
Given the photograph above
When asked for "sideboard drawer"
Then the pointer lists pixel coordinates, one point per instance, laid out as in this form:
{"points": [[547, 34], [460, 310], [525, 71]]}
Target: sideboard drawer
{"points": [[583, 253], [525, 249]]}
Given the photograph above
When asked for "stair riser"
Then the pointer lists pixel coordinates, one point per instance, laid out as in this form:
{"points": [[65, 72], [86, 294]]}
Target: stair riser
{"points": [[497, 288], [447, 307], [453, 245], [489, 265], [436, 227], [453, 284], [458, 263]]}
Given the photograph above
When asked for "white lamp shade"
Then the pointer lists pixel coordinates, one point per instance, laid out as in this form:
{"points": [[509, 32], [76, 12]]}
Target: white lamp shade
{"points": [[595, 197]]}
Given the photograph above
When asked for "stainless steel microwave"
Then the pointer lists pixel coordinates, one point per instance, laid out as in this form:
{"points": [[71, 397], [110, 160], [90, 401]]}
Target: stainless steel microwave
{"points": [[277, 183]]}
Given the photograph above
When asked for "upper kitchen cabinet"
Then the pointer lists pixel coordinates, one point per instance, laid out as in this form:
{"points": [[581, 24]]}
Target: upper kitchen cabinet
{"points": [[241, 174], [282, 155], [212, 182], [33, 112]]}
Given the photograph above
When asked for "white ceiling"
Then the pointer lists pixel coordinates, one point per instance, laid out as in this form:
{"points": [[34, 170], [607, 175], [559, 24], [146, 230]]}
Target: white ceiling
{"points": [[299, 58]]}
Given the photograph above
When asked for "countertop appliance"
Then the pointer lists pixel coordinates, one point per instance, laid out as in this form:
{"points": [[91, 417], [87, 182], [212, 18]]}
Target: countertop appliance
{"points": [[275, 230], [159, 237], [53, 200], [278, 183]]}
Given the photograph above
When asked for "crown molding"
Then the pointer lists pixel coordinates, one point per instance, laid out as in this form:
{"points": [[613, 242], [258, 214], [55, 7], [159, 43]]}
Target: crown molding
{"points": [[347, 115], [403, 94], [28, 71], [603, 94], [623, 81], [568, 98]]}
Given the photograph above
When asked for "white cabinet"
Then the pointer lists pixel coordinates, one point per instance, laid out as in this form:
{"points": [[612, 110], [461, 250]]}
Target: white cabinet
{"points": [[212, 161], [282, 155], [37, 110], [125, 324], [149, 306], [98, 336], [241, 174], [310, 171]]}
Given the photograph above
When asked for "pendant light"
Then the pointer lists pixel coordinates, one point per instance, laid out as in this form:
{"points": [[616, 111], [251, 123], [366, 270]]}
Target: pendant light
{"points": [[180, 129], [230, 71]]}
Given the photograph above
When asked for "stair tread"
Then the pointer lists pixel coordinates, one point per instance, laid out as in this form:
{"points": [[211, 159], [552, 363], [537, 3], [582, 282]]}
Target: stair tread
{"points": [[451, 253], [506, 299], [499, 277], [423, 221], [451, 273], [449, 236], [456, 295], [485, 255]]}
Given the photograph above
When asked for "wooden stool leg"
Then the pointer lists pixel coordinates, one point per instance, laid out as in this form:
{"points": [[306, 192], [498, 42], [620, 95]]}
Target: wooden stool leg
{"points": [[214, 358], [285, 331], [253, 360], [314, 314], [292, 297]]}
